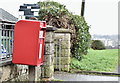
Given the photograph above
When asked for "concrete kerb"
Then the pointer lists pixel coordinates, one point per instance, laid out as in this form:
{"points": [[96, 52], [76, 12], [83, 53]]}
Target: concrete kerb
{"points": [[94, 72]]}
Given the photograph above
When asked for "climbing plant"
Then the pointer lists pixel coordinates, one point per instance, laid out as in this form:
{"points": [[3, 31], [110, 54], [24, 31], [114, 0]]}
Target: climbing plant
{"points": [[56, 14]]}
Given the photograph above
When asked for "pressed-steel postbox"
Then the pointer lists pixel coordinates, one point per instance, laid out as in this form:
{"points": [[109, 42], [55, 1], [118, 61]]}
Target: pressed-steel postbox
{"points": [[28, 43]]}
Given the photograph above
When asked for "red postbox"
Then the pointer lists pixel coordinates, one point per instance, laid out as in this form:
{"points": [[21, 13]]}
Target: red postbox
{"points": [[28, 46]]}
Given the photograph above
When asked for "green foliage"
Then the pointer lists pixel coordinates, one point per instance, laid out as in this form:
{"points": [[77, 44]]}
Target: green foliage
{"points": [[97, 45], [83, 37], [54, 14], [97, 60], [57, 15]]}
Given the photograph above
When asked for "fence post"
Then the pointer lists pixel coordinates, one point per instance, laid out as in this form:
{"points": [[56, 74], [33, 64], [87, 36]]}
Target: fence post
{"points": [[0, 51], [59, 54], [47, 69], [56, 55], [0, 40]]}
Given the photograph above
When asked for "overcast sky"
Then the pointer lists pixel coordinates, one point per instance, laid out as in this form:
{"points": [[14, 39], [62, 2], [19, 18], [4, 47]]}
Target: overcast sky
{"points": [[102, 15]]}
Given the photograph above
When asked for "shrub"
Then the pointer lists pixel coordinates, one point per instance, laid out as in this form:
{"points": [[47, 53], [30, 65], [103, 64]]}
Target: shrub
{"points": [[57, 15], [97, 45], [83, 37]]}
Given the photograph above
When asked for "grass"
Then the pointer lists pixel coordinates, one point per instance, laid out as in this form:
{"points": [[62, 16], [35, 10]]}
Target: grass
{"points": [[97, 60]]}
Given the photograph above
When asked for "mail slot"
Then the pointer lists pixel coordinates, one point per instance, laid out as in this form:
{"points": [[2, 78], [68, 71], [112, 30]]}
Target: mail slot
{"points": [[28, 45]]}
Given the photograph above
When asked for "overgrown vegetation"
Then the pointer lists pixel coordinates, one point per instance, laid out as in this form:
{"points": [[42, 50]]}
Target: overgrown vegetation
{"points": [[57, 15], [97, 45], [97, 60], [83, 37]]}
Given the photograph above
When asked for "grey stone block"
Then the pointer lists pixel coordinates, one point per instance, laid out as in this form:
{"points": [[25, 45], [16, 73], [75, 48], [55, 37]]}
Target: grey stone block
{"points": [[49, 37], [59, 36], [63, 67], [48, 60], [67, 52], [49, 48], [64, 52], [67, 37], [48, 71], [64, 60], [65, 44]]}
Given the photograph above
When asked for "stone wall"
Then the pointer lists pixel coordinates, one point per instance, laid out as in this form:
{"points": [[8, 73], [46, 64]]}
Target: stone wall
{"points": [[14, 72], [65, 36]]}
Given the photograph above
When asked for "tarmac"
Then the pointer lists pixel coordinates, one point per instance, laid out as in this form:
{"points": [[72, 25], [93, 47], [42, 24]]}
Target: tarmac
{"points": [[64, 76], [80, 77]]}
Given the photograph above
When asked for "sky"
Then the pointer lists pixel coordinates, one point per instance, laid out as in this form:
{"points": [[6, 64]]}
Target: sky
{"points": [[101, 15]]}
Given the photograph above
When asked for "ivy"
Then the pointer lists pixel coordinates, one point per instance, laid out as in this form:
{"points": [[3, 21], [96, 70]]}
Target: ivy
{"points": [[56, 14]]}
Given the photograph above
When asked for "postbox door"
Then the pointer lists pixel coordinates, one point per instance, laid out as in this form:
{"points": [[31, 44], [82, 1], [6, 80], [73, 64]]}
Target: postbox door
{"points": [[41, 46]]}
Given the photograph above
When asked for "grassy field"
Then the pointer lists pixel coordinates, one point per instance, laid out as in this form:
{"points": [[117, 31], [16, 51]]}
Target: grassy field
{"points": [[97, 60]]}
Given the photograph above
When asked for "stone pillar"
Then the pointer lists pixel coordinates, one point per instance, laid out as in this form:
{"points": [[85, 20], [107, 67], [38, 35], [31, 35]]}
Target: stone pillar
{"points": [[47, 68], [65, 36]]}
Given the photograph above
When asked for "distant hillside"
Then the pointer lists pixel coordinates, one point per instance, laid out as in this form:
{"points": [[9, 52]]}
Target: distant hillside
{"points": [[110, 41], [110, 37]]}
